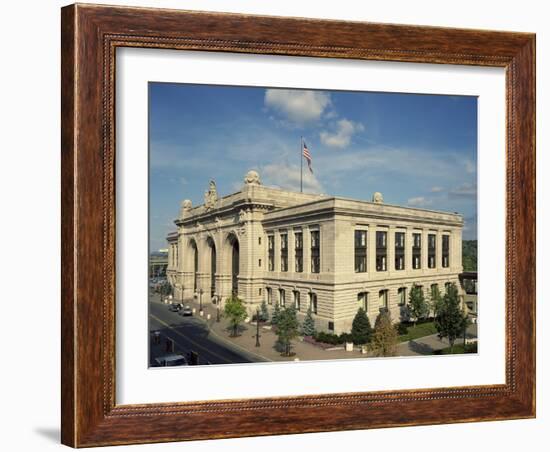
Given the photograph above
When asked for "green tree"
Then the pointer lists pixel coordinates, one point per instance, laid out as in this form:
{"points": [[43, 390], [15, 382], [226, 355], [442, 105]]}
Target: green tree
{"points": [[275, 314], [235, 311], [435, 300], [264, 313], [384, 337], [450, 320], [418, 308], [287, 329], [361, 330], [308, 325], [469, 255]]}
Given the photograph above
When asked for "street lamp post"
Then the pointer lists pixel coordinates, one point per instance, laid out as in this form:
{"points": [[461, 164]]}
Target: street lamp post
{"points": [[200, 299], [217, 298], [257, 327]]}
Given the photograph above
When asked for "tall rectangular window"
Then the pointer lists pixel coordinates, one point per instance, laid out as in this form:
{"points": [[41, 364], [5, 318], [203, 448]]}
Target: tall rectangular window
{"points": [[416, 250], [400, 251], [271, 253], [296, 294], [434, 290], [284, 252], [360, 251], [299, 252], [315, 252], [383, 298], [363, 300], [445, 251], [381, 250], [313, 302], [402, 296], [282, 300], [269, 295], [431, 250]]}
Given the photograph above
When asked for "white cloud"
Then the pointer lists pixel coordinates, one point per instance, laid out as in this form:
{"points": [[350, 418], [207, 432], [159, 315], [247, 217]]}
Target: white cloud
{"points": [[342, 136], [331, 114], [436, 189], [297, 105], [287, 177], [419, 201], [466, 190]]}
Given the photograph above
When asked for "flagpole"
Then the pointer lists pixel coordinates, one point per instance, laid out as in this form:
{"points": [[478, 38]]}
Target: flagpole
{"points": [[301, 162]]}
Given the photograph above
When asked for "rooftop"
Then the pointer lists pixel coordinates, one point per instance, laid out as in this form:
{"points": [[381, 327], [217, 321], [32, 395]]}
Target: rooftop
{"points": [[284, 203]]}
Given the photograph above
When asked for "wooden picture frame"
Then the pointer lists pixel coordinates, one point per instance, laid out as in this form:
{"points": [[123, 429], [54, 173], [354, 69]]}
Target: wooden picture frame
{"points": [[90, 36]]}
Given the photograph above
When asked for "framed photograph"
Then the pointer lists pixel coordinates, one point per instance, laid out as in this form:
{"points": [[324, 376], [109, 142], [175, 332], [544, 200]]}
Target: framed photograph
{"points": [[282, 225]]}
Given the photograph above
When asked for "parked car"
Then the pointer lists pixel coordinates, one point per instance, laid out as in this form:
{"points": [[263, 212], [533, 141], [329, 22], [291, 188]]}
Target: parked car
{"points": [[171, 360], [175, 307], [186, 311]]}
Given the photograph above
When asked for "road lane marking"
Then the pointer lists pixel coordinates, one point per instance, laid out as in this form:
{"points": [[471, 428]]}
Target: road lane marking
{"points": [[231, 344], [263, 358], [190, 340]]}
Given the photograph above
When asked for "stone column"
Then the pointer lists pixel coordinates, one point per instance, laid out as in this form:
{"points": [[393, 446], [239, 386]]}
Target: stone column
{"points": [[456, 250], [203, 274], [424, 250], [290, 251], [187, 264], [438, 250], [371, 250], [390, 255], [307, 249], [408, 249], [277, 251]]}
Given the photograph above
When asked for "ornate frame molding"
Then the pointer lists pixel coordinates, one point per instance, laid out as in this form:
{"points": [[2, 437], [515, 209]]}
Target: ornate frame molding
{"points": [[90, 37]]}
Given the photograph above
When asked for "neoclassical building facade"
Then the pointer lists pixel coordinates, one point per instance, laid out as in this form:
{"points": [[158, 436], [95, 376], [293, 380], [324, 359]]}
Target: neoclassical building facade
{"points": [[328, 253]]}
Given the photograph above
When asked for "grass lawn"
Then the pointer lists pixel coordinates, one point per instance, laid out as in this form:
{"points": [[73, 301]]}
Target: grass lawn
{"points": [[421, 330], [458, 349]]}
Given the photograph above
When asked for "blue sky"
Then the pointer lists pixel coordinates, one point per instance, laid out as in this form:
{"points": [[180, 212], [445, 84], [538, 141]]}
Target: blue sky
{"points": [[418, 150]]}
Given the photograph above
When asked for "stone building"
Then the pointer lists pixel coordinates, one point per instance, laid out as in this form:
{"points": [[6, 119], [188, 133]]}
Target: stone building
{"points": [[333, 254]]}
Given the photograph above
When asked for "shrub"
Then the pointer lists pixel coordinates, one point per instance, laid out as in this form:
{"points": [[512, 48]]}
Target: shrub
{"points": [[345, 337], [328, 338], [361, 331], [308, 326], [401, 328]]}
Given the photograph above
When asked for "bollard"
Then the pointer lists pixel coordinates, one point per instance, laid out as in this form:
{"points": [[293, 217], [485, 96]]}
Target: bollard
{"points": [[169, 345], [156, 337]]}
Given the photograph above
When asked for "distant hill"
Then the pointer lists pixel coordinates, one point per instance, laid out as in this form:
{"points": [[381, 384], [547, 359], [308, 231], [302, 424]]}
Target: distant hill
{"points": [[469, 255]]}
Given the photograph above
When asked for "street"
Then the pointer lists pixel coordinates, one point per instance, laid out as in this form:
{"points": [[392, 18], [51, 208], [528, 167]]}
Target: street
{"points": [[188, 334]]}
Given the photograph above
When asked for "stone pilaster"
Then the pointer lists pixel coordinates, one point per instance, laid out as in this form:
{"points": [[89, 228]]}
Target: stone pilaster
{"points": [[390, 254], [408, 249], [424, 252], [371, 250]]}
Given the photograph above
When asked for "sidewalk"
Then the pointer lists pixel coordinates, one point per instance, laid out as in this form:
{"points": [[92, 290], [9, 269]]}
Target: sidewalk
{"points": [[245, 343], [428, 344], [266, 352]]}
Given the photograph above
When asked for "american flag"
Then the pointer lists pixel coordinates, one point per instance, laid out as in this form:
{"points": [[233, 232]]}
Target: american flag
{"points": [[307, 156]]}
